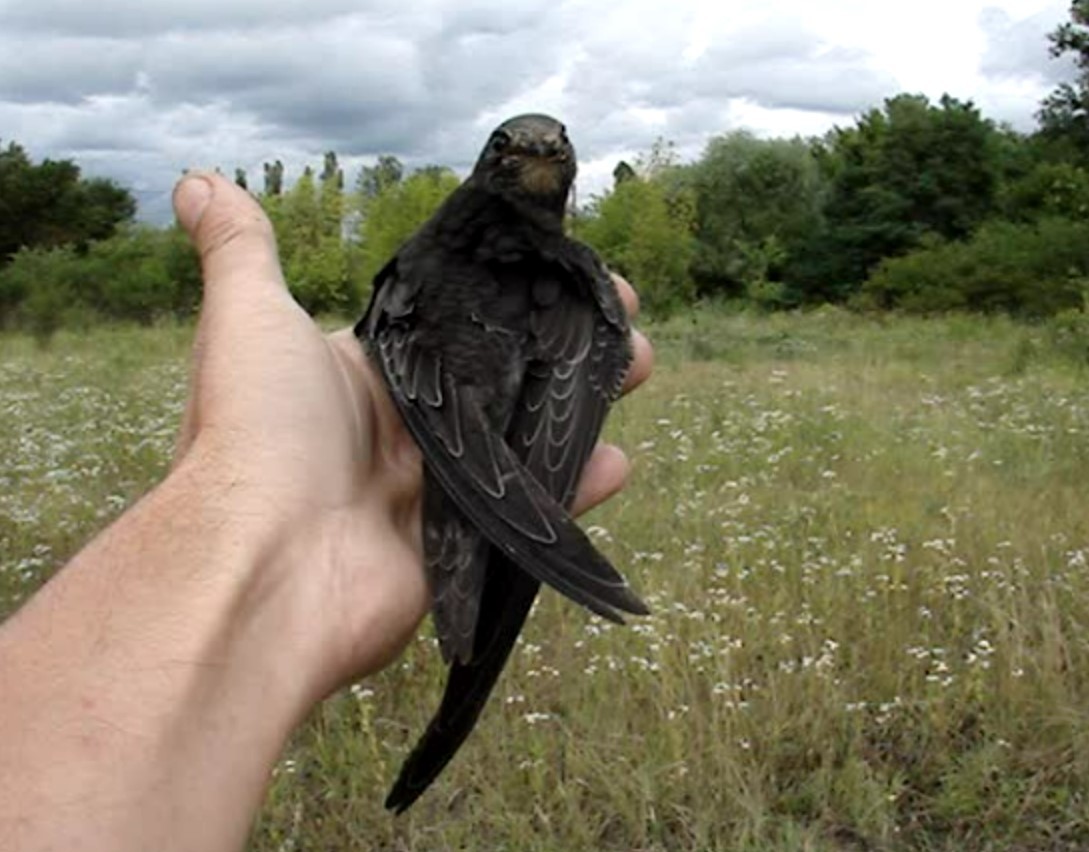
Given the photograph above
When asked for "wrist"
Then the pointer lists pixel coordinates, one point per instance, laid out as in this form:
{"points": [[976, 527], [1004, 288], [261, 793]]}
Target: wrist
{"points": [[252, 627], [146, 678]]}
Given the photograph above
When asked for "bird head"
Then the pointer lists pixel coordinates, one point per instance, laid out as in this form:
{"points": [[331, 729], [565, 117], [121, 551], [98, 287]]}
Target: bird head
{"points": [[531, 158]]}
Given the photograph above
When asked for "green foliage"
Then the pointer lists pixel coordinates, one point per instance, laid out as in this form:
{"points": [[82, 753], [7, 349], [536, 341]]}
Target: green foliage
{"points": [[901, 173], [308, 220], [1068, 334], [1049, 190], [51, 204], [301, 216], [372, 180], [274, 179], [759, 261], [394, 214], [129, 277], [331, 201], [756, 201], [1026, 269], [643, 230], [1064, 114], [139, 275], [43, 284], [318, 277]]}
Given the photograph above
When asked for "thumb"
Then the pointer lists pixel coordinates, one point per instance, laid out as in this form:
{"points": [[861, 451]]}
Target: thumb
{"points": [[233, 237]]}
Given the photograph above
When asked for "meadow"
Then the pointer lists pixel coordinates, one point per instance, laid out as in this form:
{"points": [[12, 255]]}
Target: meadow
{"points": [[865, 542]]}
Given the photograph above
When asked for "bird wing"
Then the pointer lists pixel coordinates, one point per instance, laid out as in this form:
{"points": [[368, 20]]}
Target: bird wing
{"points": [[455, 556], [581, 361], [478, 469]]}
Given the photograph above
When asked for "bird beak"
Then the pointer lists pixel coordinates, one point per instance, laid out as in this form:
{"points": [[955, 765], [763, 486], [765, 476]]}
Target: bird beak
{"points": [[541, 174]]}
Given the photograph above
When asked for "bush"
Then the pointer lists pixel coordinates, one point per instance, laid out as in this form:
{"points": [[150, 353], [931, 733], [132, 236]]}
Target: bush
{"points": [[1068, 335], [128, 278], [1030, 270], [138, 275], [645, 233], [318, 277], [45, 285]]}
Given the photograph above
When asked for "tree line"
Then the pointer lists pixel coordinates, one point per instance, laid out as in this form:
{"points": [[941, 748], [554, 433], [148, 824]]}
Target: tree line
{"points": [[916, 206]]}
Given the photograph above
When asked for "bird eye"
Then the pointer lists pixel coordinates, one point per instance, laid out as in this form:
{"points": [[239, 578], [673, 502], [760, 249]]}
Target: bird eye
{"points": [[499, 141]]}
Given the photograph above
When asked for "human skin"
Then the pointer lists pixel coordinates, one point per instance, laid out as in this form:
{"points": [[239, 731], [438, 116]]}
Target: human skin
{"points": [[148, 689]]}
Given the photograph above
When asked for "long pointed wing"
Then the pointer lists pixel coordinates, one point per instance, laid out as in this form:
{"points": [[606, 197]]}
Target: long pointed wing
{"points": [[455, 559], [479, 470]]}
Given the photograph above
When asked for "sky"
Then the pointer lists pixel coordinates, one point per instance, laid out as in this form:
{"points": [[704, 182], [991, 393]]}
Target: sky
{"points": [[139, 90]]}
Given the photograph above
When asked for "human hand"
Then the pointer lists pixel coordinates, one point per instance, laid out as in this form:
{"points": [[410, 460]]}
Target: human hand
{"points": [[298, 426]]}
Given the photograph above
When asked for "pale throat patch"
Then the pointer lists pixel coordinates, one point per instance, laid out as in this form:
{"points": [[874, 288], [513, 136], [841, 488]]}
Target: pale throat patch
{"points": [[540, 176]]}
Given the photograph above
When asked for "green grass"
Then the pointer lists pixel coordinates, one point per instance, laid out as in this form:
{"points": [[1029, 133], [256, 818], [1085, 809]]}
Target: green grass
{"points": [[866, 544]]}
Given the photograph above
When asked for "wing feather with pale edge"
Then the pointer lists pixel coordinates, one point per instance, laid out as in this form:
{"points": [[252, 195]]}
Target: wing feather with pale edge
{"points": [[583, 357], [480, 471]]}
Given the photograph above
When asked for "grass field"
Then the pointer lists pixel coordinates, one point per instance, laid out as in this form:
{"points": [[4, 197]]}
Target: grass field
{"points": [[866, 545]]}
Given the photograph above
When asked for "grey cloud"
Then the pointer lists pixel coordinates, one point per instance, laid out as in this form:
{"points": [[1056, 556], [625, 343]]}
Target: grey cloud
{"points": [[66, 70], [788, 67], [785, 68], [118, 18], [1020, 49]]}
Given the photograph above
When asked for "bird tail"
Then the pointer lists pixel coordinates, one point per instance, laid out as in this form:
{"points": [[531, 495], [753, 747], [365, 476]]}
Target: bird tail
{"points": [[507, 598]]}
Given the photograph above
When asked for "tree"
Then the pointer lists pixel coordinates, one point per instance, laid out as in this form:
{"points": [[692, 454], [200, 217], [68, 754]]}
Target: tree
{"points": [[301, 215], [756, 201], [315, 259], [372, 180], [51, 204], [1064, 114], [1049, 190], [901, 173], [644, 230], [332, 196], [623, 172], [274, 179], [1034, 270], [138, 274]]}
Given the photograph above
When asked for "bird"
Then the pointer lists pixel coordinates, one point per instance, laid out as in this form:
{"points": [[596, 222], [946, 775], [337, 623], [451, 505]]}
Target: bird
{"points": [[502, 343]]}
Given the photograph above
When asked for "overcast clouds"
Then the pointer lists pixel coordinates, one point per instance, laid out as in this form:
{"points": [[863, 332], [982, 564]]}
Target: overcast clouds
{"points": [[139, 89]]}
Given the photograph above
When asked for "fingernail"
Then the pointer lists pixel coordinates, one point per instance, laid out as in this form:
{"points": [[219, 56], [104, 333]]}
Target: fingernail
{"points": [[191, 197]]}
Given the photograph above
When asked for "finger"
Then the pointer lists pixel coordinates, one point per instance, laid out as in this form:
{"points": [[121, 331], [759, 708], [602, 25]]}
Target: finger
{"points": [[642, 362], [604, 475], [642, 352], [233, 237], [627, 295]]}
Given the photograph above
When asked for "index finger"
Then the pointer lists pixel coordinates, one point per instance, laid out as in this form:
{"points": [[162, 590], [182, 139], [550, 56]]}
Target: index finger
{"points": [[642, 352], [627, 295]]}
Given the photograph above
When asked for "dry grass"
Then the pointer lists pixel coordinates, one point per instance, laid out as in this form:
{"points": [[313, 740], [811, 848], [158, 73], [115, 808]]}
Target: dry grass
{"points": [[866, 545]]}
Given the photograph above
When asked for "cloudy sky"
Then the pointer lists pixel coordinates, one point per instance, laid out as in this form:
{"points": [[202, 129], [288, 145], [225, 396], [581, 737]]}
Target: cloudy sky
{"points": [[139, 89]]}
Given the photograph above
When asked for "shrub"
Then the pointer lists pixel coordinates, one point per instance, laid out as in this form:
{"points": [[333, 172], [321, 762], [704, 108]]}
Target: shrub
{"points": [[45, 287], [138, 274], [1030, 270], [645, 233]]}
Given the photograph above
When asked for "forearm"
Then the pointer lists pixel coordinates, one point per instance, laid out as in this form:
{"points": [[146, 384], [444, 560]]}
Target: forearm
{"points": [[142, 703]]}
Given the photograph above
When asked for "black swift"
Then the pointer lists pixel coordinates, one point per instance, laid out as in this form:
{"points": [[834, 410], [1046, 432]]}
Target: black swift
{"points": [[502, 343]]}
